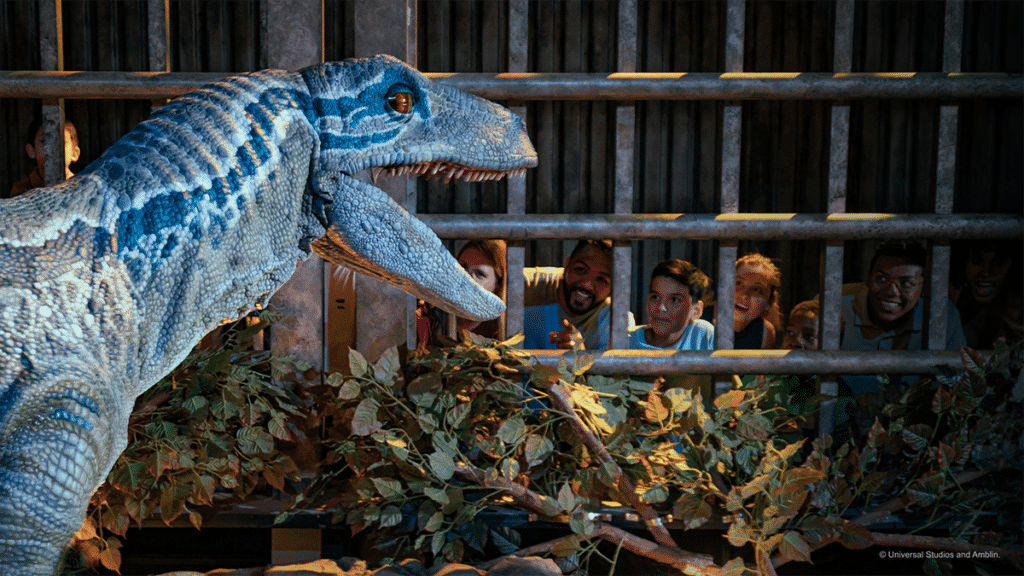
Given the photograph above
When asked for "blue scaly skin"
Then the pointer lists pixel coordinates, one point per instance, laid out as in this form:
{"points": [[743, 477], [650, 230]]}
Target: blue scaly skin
{"points": [[196, 217]]}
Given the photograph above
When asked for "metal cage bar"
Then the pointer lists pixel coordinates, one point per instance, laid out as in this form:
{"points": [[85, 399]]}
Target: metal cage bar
{"points": [[515, 257], [521, 87], [625, 122]]}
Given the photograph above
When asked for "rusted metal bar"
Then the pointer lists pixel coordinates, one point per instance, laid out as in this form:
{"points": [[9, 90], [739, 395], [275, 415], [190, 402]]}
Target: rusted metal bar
{"points": [[515, 258], [735, 226], [945, 179], [570, 86], [831, 287], [655, 362], [625, 125], [51, 56]]}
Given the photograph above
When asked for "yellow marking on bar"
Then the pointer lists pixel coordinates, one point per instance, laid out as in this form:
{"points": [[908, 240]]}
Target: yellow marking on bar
{"points": [[861, 216], [760, 75], [646, 75], [749, 353], [517, 75], [755, 216]]}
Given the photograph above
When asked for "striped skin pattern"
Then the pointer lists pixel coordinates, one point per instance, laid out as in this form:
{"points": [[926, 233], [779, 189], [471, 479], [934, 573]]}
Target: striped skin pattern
{"points": [[196, 217]]}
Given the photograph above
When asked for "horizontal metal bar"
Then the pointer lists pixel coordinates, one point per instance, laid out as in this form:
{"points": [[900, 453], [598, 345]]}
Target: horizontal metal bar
{"points": [[739, 226], [528, 86], [655, 362]]}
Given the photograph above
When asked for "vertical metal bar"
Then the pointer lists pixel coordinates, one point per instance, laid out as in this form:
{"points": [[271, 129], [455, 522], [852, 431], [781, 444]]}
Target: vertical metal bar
{"points": [[518, 38], [159, 40], [831, 289], [732, 123], [291, 40], [51, 56], [625, 120], [945, 179], [411, 188], [159, 35]]}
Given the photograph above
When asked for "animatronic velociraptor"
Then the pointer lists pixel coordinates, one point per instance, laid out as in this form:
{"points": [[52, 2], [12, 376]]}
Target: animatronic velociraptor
{"points": [[198, 215]]}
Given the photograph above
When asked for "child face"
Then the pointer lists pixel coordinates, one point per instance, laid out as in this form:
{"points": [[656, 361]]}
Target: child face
{"points": [[35, 150], [753, 296], [670, 309], [801, 332], [480, 268]]}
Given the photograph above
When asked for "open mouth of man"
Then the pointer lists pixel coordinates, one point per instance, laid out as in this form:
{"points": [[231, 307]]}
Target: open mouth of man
{"points": [[890, 306], [581, 298], [984, 289]]}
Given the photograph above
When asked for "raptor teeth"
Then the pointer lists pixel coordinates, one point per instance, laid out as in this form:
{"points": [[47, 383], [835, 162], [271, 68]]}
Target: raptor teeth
{"points": [[448, 172]]}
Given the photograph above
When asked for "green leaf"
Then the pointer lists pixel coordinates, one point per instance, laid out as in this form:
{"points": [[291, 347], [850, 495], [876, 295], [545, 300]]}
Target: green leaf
{"points": [[435, 521], [349, 390], [172, 502], [913, 440], [941, 401], [544, 376], [444, 442], [854, 536], [509, 468], [681, 399], [753, 426], [580, 522], [436, 494], [364, 420], [438, 541], [458, 414], [512, 431], [801, 476], [582, 363], [387, 487], [505, 539], [357, 364], [693, 510], [387, 367], [423, 390], [606, 474], [973, 361], [656, 494], [390, 516], [734, 567], [195, 405], [566, 498], [252, 441], [443, 465], [739, 533], [278, 428], [538, 448], [567, 546]]}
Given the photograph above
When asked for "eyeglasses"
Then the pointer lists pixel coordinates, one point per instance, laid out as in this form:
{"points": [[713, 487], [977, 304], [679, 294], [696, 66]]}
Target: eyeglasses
{"points": [[905, 284]]}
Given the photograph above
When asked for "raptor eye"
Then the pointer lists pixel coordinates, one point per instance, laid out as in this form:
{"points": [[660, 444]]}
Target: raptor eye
{"points": [[401, 102]]}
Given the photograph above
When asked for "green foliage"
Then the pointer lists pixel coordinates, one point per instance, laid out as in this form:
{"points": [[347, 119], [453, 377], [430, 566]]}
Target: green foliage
{"points": [[402, 449], [211, 430]]}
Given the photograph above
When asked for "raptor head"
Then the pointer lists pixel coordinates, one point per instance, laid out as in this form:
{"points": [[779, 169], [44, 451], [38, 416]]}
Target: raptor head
{"points": [[378, 114]]}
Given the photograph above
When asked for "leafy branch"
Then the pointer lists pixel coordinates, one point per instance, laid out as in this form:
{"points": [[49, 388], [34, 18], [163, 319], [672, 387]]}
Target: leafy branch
{"points": [[422, 451]]}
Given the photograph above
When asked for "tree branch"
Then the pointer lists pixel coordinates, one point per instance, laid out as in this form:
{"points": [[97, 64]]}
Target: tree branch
{"points": [[522, 495], [904, 500], [560, 399]]}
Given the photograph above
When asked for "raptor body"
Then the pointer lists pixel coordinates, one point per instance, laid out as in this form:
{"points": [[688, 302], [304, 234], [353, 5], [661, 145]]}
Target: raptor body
{"points": [[195, 217]]}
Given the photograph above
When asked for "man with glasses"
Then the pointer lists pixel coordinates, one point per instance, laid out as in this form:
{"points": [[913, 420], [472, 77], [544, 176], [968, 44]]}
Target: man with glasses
{"points": [[887, 313]]}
